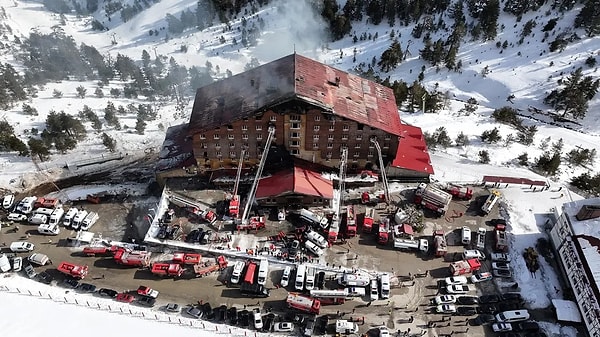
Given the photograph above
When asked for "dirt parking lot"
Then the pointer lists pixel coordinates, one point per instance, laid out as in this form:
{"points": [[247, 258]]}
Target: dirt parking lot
{"points": [[408, 307]]}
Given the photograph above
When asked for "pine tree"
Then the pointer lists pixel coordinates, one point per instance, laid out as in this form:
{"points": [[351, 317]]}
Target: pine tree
{"points": [[391, 57], [39, 149], [109, 142], [573, 98], [589, 18], [81, 91]]}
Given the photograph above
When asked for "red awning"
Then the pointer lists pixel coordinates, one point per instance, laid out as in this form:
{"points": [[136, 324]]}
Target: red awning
{"points": [[295, 181]]}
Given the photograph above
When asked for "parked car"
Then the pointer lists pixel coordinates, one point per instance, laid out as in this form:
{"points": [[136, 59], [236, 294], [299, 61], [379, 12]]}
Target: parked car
{"points": [[172, 307], [467, 300], [321, 325], [481, 277], [45, 277], [22, 247], [313, 248], [29, 271], [514, 297], [244, 318], [526, 327], [466, 311], [221, 313], [384, 332], [70, 283], [146, 301], [107, 292], [457, 289], [293, 249], [39, 259], [455, 280], [501, 327], [194, 312], [502, 273], [233, 315], [491, 309], [484, 319], [17, 217], [501, 265], [7, 201], [500, 257], [86, 288], [489, 299], [17, 263], [258, 322], [285, 278], [5, 265], [508, 306], [283, 327], [125, 297], [207, 311], [446, 309], [495, 222], [444, 299], [268, 323]]}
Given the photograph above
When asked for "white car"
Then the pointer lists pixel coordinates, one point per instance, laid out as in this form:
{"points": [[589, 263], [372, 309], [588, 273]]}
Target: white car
{"points": [[313, 248], [500, 257], [383, 332], [445, 299], [17, 263], [457, 289], [502, 327], [501, 265], [456, 280], [4, 263], [22, 247], [8, 201], [285, 278], [481, 277], [39, 259], [258, 323], [317, 238], [283, 327], [236, 274], [446, 309], [17, 217]]}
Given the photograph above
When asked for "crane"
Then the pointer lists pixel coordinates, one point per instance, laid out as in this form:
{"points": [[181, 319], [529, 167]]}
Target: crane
{"points": [[234, 203], [386, 189], [261, 166]]}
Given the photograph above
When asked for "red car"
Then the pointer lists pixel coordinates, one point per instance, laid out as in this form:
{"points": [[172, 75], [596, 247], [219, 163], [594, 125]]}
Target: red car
{"points": [[124, 297]]}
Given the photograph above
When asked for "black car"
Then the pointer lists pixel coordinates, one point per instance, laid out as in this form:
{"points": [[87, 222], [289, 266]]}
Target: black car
{"points": [[512, 297], [233, 315], [107, 292], [489, 309], [268, 322], [321, 325], [162, 231], [207, 311], [484, 319], [526, 327], [221, 313], [508, 306], [489, 299], [495, 222], [244, 318], [320, 283], [466, 311], [86, 288], [466, 300], [45, 277], [205, 237], [194, 235], [297, 319], [254, 290], [173, 231], [146, 301], [70, 283]]}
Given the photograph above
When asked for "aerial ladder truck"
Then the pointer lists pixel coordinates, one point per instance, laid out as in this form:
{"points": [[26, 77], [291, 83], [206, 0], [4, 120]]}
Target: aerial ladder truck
{"points": [[367, 197], [335, 224], [234, 203], [256, 222]]}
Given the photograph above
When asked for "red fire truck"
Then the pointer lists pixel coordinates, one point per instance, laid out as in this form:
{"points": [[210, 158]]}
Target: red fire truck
{"points": [[74, 270], [464, 266], [99, 250], [368, 220], [459, 192], [134, 258], [254, 223], [350, 222], [303, 303], [439, 242], [383, 233], [187, 258], [167, 269]]}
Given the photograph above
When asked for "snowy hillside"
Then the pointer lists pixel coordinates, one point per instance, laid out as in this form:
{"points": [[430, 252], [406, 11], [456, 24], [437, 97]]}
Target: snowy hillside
{"points": [[491, 72]]}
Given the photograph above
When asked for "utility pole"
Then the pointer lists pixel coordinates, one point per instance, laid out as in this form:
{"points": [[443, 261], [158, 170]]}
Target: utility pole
{"points": [[423, 99]]}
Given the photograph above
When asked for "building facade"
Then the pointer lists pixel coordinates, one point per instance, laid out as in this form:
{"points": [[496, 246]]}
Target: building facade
{"points": [[577, 243]]}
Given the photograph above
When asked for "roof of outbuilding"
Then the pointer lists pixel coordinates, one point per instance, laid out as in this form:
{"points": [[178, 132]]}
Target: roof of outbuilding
{"points": [[412, 153], [295, 181], [300, 78]]}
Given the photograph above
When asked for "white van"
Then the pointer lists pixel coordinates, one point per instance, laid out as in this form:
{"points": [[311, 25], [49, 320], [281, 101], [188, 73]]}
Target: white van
{"points": [[313, 219], [78, 219], [313, 248], [89, 220], [45, 211], [356, 291], [56, 216], [317, 239], [466, 235], [300, 275], [71, 213], [374, 290], [343, 326], [285, 278], [48, 229], [384, 283], [26, 205], [473, 254], [513, 316], [38, 219], [354, 280], [263, 271], [309, 282], [236, 274]]}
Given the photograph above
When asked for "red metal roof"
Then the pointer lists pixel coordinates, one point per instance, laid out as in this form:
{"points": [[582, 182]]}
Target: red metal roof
{"points": [[295, 181], [295, 77], [513, 180], [412, 153]]}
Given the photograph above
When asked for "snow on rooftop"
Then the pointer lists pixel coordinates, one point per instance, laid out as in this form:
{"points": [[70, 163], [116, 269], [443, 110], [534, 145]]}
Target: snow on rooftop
{"points": [[589, 227], [566, 311]]}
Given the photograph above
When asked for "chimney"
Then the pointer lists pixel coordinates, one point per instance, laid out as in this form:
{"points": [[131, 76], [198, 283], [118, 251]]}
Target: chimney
{"points": [[588, 212]]}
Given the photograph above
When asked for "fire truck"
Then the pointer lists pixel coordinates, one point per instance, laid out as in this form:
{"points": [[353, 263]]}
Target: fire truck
{"points": [[490, 202], [367, 198], [253, 223], [432, 198], [134, 258], [384, 231], [204, 214], [303, 303], [167, 269], [99, 250], [74, 270], [439, 242], [501, 240], [464, 266], [187, 258], [459, 192], [234, 203], [368, 220], [350, 222], [328, 297]]}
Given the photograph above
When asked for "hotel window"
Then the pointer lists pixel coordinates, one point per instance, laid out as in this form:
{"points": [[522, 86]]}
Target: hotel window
{"points": [[316, 128], [370, 154], [231, 144], [244, 136], [259, 153], [316, 137], [387, 137], [295, 126], [344, 137], [330, 145], [329, 154], [202, 136], [258, 136], [386, 145], [230, 137], [218, 145], [215, 136], [244, 127], [229, 127], [295, 135], [346, 128], [232, 154], [294, 143], [356, 154], [330, 137], [315, 145], [332, 128], [357, 146], [218, 153], [317, 118], [358, 137], [294, 118], [295, 151], [258, 127], [203, 146], [273, 118]]}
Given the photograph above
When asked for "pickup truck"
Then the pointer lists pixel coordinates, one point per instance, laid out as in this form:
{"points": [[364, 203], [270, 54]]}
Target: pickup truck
{"points": [[147, 291]]}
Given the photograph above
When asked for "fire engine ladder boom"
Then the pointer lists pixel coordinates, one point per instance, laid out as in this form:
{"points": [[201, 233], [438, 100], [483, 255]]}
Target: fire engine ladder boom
{"points": [[386, 189], [239, 173], [261, 166], [342, 186]]}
